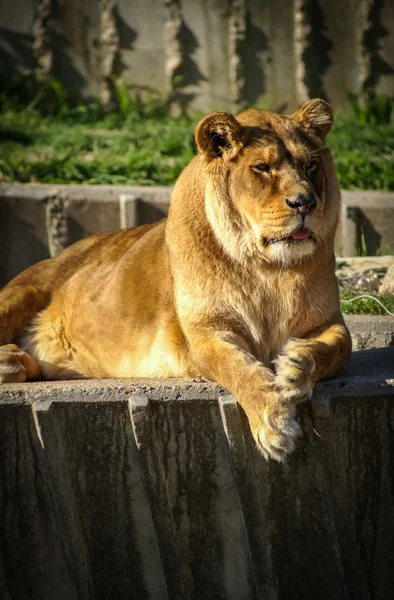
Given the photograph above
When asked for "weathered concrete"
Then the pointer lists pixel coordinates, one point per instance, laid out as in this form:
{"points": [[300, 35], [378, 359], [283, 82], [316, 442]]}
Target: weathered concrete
{"points": [[370, 331], [24, 235], [206, 54], [388, 281], [365, 273], [38, 220], [368, 214], [154, 489]]}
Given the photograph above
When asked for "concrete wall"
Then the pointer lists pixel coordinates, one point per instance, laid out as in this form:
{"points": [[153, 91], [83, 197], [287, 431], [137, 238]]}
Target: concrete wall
{"points": [[209, 54], [38, 221], [154, 489]]}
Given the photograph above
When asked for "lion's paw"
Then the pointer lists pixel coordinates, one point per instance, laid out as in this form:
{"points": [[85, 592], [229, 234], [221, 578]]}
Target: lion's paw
{"points": [[14, 364], [294, 369], [278, 431]]}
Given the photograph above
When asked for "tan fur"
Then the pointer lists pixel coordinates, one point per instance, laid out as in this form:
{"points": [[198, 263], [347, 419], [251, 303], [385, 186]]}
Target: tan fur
{"points": [[220, 289]]}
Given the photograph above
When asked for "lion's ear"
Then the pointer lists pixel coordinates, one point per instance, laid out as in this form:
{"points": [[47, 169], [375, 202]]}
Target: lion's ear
{"points": [[315, 117], [216, 133]]}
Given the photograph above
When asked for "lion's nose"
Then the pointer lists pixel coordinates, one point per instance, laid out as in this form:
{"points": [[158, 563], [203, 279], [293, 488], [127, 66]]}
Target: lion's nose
{"points": [[303, 203]]}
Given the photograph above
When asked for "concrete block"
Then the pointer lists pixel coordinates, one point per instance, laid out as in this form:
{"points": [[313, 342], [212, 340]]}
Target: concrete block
{"points": [[33, 557], [348, 238], [23, 232], [370, 331], [101, 502], [140, 29], [154, 489], [143, 208], [204, 48], [91, 216], [128, 206], [345, 51], [39, 220], [207, 55], [184, 458], [388, 281], [281, 506], [373, 215]]}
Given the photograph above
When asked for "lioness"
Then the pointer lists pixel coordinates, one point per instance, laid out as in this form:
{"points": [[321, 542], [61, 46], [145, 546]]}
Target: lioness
{"points": [[237, 285]]}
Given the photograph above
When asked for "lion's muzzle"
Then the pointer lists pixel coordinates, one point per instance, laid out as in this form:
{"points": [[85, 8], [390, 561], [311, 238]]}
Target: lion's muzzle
{"points": [[303, 203]]}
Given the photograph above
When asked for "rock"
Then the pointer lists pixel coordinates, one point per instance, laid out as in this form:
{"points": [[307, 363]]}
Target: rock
{"points": [[370, 331], [363, 273], [387, 286]]}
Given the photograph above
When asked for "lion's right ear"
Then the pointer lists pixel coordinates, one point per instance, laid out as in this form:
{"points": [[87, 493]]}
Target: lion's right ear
{"points": [[216, 133], [315, 117]]}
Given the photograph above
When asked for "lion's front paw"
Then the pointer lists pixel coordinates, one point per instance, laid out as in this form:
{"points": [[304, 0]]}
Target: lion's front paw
{"points": [[294, 368], [276, 431], [16, 365]]}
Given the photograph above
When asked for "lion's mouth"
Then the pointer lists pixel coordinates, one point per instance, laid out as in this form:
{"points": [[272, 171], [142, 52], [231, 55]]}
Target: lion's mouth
{"points": [[295, 236]]}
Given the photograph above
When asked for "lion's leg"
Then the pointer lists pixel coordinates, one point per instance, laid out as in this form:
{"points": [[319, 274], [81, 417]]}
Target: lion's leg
{"points": [[18, 305], [23, 297], [26, 295], [303, 362], [16, 365], [223, 357]]}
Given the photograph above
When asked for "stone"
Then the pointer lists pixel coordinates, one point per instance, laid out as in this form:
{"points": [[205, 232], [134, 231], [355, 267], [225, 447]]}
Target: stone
{"points": [[147, 488], [364, 273], [373, 212], [23, 232], [387, 286], [370, 331]]}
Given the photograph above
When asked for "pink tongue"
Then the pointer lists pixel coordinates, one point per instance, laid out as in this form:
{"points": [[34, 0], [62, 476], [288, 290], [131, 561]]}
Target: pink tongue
{"points": [[300, 234]]}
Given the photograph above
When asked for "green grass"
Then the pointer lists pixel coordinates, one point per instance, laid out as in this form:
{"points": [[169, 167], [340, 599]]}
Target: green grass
{"points": [[366, 306], [46, 140], [363, 154], [85, 145], [141, 144]]}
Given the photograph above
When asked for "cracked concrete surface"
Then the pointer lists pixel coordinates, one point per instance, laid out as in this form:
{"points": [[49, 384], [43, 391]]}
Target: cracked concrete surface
{"points": [[154, 489]]}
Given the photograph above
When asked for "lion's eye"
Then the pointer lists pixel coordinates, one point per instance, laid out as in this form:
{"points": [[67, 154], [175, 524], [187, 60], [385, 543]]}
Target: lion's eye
{"points": [[311, 167], [262, 167]]}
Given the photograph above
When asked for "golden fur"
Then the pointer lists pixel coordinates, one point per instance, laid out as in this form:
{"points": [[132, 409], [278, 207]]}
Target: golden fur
{"points": [[238, 285]]}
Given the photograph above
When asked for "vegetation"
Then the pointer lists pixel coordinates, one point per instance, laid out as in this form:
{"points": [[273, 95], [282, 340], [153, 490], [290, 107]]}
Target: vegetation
{"points": [[366, 304], [44, 138], [50, 141], [363, 154]]}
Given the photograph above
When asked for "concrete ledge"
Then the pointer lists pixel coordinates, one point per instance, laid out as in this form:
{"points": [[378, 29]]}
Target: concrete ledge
{"points": [[154, 489], [367, 219], [370, 331], [39, 220]]}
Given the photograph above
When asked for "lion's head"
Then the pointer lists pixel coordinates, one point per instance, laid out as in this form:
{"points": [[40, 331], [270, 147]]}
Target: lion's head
{"points": [[271, 186]]}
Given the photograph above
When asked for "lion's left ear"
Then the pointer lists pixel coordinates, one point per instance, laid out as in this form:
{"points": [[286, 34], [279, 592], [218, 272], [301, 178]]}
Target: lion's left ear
{"points": [[216, 133], [315, 117]]}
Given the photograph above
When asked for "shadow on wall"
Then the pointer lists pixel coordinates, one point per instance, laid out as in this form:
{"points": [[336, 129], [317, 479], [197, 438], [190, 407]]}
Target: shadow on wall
{"points": [[316, 53], [372, 238], [16, 53], [62, 67], [115, 67], [127, 38], [22, 238], [378, 65], [255, 42], [127, 35], [110, 64], [187, 73]]}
